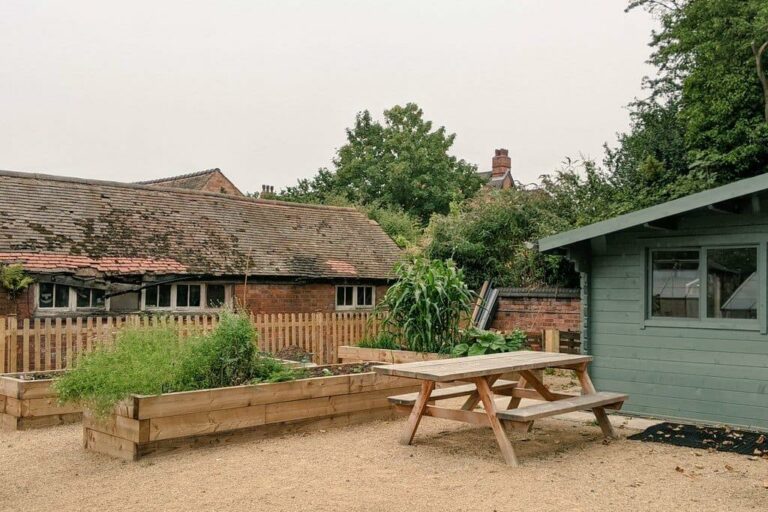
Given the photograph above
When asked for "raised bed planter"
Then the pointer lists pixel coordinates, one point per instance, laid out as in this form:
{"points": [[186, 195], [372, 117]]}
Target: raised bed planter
{"points": [[349, 354], [143, 425], [29, 401]]}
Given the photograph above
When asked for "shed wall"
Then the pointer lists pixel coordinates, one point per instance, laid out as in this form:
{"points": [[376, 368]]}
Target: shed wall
{"points": [[703, 374]]}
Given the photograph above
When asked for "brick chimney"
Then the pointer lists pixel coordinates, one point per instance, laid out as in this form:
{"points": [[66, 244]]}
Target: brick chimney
{"points": [[501, 163]]}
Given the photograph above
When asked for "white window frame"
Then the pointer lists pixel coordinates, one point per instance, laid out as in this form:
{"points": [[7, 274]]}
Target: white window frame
{"points": [[72, 307], [355, 288], [228, 294]]}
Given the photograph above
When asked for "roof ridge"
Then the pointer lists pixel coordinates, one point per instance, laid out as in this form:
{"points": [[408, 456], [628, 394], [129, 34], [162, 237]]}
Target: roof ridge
{"points": [[179, 177], [172, 190]]}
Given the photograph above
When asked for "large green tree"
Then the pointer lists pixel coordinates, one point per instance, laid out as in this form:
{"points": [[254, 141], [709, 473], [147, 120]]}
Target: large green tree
{"points": [[401, 164]]}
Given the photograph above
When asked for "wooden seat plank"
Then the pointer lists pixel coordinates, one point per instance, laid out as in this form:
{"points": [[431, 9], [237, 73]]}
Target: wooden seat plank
{"points": [[580, 403], [499, 387]]}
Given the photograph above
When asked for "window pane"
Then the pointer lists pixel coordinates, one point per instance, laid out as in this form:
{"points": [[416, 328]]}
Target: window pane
{"points": [[61, 295], [97, 298], [732, 284], [348, 293], [83, 297], [364, 295], [46, 295], [339, 296], [164, 296], [182, 295], [151, 296], [675, 287], [216, 295], [194, 295]]}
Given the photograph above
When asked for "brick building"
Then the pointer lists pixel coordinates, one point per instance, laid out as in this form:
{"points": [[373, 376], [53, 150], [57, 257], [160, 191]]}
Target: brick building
{"points": [[211, 180], [500, 175], [97, 247]]}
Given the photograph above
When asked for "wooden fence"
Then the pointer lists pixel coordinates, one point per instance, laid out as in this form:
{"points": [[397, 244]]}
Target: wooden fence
{"points": [[54, 343]]}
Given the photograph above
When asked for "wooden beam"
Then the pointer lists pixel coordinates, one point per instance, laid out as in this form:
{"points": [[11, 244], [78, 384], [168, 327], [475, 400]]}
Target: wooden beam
{"points": [[666, 224]]}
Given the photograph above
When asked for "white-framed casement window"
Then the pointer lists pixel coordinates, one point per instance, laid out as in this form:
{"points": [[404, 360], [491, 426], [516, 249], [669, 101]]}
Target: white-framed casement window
{"points": [[56, 297], [350, 297], [186, 296], [705, 284]]}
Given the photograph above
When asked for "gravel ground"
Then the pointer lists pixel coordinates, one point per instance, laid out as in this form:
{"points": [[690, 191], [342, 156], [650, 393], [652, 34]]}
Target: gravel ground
{"points": [[451, 467]]}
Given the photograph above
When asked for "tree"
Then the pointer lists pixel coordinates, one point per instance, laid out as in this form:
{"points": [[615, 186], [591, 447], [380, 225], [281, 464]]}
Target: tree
{"points": [[402, 164]]}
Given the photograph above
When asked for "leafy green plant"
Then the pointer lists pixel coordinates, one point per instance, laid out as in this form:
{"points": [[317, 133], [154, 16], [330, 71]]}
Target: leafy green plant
{"points": [[477, 342], [14, 279], [384, 339], [153, 360], [426, 304]]}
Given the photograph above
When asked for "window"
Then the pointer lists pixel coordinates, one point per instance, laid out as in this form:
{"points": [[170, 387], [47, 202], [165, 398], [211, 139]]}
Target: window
{"points": [[675, 284], [53, 296], [732, 284], [186, 296], [89, 298], [216, 295], [158, 296], [729, 274], [352, 297]]}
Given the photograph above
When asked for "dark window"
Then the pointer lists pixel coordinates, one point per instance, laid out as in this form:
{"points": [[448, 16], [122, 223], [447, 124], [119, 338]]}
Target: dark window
{"points": [[732, 284], [151, 296], [83, 297], [46, 295], [675, 284], [53, 296], [345, 296], [158, 296], [365, 296], [182, 295], [215, 295]]}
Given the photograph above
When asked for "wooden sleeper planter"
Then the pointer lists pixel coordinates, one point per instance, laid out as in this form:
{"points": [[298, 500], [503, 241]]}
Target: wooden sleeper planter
{"points": [[349, 354], [27, 402], [142, 425]]}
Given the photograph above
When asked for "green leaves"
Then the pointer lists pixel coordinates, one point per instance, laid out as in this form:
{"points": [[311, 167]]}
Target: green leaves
{"points": [[478, 342], [425, 305], [14, 279]]}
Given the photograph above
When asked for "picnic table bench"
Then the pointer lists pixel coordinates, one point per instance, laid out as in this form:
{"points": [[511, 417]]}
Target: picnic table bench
{"points": [[481, 382]]}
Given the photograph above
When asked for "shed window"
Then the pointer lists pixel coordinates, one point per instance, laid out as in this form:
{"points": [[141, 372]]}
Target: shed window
{"points": [[354, 297], [732, 284], [89, 298], [53, 296], [675, 284], [216, 295], [158, 296]]}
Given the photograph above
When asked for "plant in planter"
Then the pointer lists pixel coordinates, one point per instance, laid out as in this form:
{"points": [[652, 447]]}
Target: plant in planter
{"points": [[426, 305], [477, 342]]}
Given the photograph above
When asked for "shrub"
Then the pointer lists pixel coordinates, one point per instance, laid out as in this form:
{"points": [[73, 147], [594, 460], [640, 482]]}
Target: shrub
{"points": [[477, 342], [384, 339], [149, 361], [426, 304]]}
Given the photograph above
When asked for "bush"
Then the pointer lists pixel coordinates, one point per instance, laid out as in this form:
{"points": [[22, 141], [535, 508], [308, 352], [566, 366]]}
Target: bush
{"points": [[149, 361], [384, 339], [477, 342], [426, 304]]}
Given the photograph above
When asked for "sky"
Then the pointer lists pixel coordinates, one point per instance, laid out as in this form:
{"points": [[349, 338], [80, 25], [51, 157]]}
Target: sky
{"points": [[264, 90]]}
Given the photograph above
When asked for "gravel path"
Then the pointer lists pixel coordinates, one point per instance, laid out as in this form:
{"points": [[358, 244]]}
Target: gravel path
{"points": [[451, 467]]}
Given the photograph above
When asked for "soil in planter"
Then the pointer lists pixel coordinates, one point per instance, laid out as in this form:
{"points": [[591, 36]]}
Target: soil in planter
{"points": [[34, 376], [338, 369], [294, 353], [708, 438]]}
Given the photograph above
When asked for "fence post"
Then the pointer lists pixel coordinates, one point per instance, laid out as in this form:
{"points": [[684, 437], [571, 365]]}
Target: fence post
{"points": [[551, 340], [3, 341]]}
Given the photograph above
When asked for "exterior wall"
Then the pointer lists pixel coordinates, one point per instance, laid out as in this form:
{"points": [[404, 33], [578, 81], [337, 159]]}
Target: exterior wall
{"points": [[703, 373], [220, 184], [535, 312], [22, 307], [292, 297]]}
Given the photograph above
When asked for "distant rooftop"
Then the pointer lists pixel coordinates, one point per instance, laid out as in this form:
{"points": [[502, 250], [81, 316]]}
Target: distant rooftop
{"points": [[210, 180]]}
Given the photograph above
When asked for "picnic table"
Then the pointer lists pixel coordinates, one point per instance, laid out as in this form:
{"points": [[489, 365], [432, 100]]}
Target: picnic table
{"points": [[482, 378]]}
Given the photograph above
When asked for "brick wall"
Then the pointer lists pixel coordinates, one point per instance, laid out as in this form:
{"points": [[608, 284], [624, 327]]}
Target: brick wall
{"points": [[292, 298], [220, 184], [535, 310], [23, 302]]}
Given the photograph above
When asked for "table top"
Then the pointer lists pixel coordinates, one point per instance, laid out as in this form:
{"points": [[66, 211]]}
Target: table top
{"points": [[461, 368]]}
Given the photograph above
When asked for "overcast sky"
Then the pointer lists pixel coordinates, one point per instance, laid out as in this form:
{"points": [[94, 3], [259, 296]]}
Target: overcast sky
{"points": [[264, 89]]}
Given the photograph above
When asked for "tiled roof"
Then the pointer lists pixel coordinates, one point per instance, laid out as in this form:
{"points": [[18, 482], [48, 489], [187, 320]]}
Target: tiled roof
{"points": [[191, 181], [52, 223]]}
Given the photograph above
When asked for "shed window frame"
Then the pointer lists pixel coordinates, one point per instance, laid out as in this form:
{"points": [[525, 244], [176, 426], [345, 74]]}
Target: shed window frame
{"points": [[173, 306], [356, 288], [72, 306], [703, 322]]}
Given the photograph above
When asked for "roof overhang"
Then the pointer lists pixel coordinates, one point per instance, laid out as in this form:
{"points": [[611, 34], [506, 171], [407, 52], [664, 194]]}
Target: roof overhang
{"points": [[653, 215]]}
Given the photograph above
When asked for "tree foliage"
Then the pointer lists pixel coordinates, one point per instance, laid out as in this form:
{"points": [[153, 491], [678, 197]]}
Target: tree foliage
{"points": [[402, 164]]}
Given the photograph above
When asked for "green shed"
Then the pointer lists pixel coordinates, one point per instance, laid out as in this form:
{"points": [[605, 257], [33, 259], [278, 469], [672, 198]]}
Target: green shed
{"points": [[674, 304]]}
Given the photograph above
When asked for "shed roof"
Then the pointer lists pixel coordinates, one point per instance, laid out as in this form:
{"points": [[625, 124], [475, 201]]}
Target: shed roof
{"points": [[58, 224], [703, 199]]}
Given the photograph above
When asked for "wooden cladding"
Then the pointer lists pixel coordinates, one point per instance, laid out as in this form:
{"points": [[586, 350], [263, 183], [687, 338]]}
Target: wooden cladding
{"points": [[54, 343]]}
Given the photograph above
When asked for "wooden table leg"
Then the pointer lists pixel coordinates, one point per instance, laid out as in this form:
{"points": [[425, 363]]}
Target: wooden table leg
{"points": [[587, 388], [486, 396], [417, 412], [474, 398]]}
